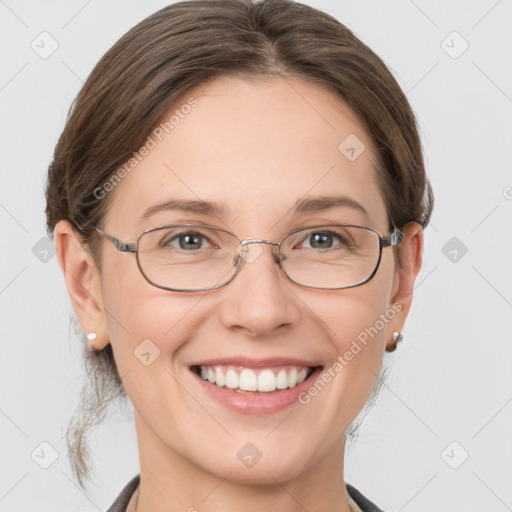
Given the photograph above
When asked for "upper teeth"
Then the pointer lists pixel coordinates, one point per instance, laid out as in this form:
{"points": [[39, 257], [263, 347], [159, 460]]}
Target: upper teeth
{"points": [[261, 379]]}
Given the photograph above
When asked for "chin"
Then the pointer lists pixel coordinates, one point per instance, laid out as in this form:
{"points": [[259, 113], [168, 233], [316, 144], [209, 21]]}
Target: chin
{"points": [[262, 473], [250, 466]]}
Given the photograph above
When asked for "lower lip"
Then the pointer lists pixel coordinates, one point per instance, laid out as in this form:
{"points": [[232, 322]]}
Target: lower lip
{"points": [[256, 403]]}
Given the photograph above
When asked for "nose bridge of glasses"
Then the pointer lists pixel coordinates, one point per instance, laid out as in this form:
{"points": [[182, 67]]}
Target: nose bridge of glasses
{"points": [[250, 240], [253, 255]]}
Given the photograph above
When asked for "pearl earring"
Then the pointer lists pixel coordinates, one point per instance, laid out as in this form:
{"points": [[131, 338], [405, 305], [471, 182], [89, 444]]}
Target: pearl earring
{"points": [[91, 336], [398, 336]]}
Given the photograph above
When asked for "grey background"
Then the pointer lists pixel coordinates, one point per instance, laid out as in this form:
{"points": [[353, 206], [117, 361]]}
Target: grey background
{"points": [[451, 378]]}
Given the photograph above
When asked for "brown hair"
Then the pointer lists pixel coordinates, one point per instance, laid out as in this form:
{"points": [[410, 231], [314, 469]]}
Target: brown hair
{"points": [[182, 46]]}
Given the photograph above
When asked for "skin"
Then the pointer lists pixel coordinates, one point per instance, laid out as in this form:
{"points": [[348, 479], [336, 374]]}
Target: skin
{"points": [[258, 146]]}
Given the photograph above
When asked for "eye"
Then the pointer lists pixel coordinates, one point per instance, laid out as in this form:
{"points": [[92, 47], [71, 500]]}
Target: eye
{"points": [[187, 241], [322, 239]]}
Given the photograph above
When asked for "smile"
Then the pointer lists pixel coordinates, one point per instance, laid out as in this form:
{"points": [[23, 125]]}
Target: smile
{"points": [[250, 380]]}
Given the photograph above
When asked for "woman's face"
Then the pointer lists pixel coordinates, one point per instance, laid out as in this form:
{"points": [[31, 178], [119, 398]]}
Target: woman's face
{"points": [[256, 148]]}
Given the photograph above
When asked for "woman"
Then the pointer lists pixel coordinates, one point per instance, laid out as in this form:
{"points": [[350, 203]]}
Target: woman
{"points": [[238, 201]]}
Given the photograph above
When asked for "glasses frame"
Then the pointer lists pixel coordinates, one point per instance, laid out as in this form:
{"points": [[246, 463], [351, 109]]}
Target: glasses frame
{"points": [[394, 238]]}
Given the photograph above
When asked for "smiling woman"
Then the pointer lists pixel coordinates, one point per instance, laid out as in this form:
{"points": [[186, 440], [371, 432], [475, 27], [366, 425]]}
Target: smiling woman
{"points": [[299, 139]]}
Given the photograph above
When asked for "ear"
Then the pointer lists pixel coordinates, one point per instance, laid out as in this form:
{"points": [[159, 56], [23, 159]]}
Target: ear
{"points": [[410, 251], [83, 282]]}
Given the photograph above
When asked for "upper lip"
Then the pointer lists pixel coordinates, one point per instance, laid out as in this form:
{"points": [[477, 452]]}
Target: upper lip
{"points": [[255, 363]]}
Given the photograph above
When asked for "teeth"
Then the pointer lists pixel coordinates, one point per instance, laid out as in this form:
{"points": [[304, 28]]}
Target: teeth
{"points": [[282, 380], [266, 381], [219, 377], [247, 381], [231, 379], [262, 380], [301, 376], [292, 378]]}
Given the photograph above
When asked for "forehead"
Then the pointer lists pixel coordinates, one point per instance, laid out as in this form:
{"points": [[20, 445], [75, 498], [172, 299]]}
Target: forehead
{"points": [[257, 147]]}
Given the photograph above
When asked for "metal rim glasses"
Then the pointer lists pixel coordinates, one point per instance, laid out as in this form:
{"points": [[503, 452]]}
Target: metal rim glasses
{"points": [[352, 261]]}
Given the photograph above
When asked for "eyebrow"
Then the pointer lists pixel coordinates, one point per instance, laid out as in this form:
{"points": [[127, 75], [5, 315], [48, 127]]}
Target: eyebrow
{"points": [[321, 203], [310, 204], [210, 208]]}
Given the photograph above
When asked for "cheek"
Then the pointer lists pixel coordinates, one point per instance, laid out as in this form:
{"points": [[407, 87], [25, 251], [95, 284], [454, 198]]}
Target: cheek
{"points": [[141, 317], [356, 314], [147, 330], [357, 322], [358, 333]]}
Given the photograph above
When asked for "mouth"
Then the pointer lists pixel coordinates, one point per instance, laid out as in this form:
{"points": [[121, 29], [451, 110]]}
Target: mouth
{"points": [[255, 379], [255, 386]]}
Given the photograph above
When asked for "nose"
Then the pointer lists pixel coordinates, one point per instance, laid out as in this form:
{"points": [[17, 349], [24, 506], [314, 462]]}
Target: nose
{"points": [[260, 298]]}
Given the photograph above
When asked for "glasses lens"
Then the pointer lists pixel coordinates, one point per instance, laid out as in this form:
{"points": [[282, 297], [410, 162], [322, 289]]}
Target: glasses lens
{"points": [[187, 257], [330, 256]]}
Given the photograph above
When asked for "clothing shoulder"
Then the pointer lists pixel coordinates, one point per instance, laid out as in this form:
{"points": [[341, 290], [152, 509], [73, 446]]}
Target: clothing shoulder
{"points": [[123, 499], [362, 501]]}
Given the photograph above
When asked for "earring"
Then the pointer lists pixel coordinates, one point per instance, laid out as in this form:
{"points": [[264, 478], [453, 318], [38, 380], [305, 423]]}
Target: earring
{"points": [[398, 336], [91, 336]]}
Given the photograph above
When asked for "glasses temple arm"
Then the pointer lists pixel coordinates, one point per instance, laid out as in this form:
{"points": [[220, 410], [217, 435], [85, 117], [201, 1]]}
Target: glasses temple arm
{"points": [[121, 246], [394, 238]]}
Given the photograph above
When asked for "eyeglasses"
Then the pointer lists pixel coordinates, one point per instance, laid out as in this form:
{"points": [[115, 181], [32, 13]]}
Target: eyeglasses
{"points": [[195, 257]]}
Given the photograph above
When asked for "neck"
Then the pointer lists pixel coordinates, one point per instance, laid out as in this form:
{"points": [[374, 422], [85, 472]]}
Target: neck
{"points": [[170, 482]]}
